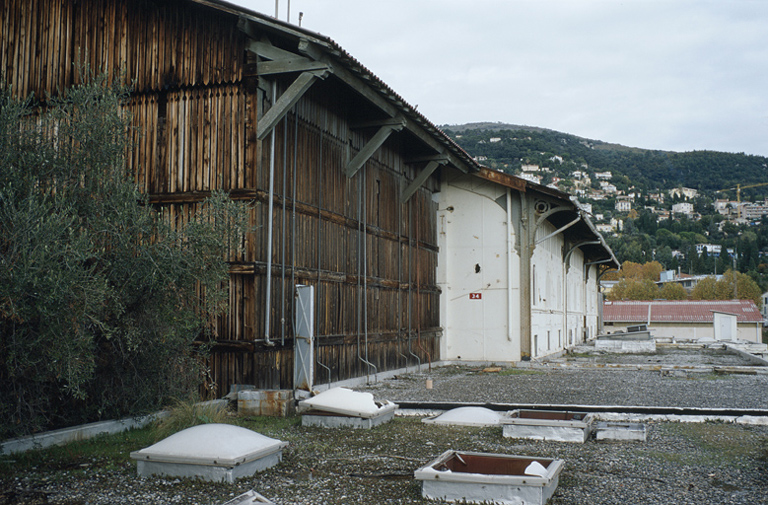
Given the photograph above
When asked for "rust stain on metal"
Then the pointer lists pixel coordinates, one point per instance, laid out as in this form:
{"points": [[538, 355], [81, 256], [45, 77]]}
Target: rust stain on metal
{"points": [[507, 180]]}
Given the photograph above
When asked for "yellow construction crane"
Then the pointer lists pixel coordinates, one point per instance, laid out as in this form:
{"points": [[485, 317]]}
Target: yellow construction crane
{"points": [[739, 187]]}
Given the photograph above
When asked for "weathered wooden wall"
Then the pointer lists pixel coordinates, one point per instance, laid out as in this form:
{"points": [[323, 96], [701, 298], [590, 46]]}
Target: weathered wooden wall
{"points": [[371, 257]]}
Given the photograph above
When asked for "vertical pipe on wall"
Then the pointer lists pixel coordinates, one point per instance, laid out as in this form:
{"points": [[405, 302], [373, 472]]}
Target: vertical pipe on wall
{"points": [[319, 250], [509, 265], [418, 299], [410, 283], [270, 211], [400, 271], [293, 209], [365, 277], [282, 231]]}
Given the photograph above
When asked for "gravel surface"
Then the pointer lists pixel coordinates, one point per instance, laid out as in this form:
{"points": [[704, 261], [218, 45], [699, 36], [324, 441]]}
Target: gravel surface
{"points": [[680, 463], [577, 381]]}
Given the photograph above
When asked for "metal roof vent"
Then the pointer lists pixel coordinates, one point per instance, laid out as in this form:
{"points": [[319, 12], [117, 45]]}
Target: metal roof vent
{"points": [[467, 416], [214, 452]]}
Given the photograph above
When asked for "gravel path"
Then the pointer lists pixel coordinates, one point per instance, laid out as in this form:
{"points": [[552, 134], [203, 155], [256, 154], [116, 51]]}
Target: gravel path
{"points": [[680, 463]]}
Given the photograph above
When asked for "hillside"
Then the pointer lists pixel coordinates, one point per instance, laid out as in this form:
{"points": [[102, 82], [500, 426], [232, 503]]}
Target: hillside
{"points": [[645, 168]]}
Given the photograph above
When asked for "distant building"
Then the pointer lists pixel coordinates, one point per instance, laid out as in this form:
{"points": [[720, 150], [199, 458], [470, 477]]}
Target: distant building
{"points": [[603, 175], [710, 248], [753, 211], [657, 197], [723, 207], [578, 174], [682, 208], [558, 159], [493, 140], [481, 158], [685, 280], [608, 187], [725, 320], [530, 168], [623, 204], [605, 228], [531, 177], [683, 193], [764, 310]]}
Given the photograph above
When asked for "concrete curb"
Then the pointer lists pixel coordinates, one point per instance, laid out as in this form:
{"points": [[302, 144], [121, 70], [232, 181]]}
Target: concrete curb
{"points": [[75, 433]]}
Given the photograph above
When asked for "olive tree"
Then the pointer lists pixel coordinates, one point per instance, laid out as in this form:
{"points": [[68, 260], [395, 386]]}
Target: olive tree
{"points": [[101, 297]]}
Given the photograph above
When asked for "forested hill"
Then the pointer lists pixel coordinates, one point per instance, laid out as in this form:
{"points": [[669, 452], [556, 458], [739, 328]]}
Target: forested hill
{"points": [[645, 168]]}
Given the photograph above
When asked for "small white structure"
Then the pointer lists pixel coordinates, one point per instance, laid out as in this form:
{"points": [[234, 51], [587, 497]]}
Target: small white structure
{"points": [[726, 325], [467, 416], [561, 426], [213, 452], [613, 430], [344, 408], [626, 342], [472, 477]]}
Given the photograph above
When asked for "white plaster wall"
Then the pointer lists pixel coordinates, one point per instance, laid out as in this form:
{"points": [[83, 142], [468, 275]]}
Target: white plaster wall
{"points": [[472, 229], [547, 335]]}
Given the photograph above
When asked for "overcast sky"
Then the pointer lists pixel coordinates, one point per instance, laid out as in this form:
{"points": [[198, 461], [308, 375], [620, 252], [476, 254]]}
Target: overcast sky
{"points": [[676, 75]]}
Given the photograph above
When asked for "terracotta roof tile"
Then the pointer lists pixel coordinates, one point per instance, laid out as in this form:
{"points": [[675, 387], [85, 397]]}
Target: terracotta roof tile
{"points": [[664, 311]]}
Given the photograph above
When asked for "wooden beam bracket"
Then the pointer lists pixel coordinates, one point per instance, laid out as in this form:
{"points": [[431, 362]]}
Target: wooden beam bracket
{"points": [[287, 100], [372, 146], [420, 179]]}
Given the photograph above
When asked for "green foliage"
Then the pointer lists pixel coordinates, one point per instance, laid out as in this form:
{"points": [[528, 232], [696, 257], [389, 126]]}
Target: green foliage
{"points": [[644, 168], [723, 289], [100, 297], [673, 291], [634, 289]]}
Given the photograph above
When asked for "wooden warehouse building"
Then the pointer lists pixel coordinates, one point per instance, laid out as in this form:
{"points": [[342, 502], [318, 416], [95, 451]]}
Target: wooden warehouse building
{"points": [[344, 175]]}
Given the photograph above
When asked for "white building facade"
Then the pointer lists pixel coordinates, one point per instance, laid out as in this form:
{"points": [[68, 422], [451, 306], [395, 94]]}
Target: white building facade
{"points": [[518, 267]]}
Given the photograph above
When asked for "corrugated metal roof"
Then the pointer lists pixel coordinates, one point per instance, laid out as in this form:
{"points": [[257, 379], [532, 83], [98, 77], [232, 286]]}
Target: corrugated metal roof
{"points": [[664, 311]]}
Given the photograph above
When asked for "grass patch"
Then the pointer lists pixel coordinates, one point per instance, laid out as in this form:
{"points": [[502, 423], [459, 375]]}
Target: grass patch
{"points": [[719, 444], [108, 452]]}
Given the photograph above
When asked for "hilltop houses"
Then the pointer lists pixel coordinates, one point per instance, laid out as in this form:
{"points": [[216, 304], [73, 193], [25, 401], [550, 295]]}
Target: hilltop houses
{"points": [[413, 250]]}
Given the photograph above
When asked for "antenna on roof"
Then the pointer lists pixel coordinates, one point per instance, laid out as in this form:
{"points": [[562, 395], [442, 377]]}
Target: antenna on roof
{"points": [[301, 15], [277, 6]]}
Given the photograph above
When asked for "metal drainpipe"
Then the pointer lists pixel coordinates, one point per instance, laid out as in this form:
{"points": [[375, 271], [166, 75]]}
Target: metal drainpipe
{"points": [[360, 293], [319, 251], [400, 275], [365, 276], [268, 304], [282, 231], [410, 289], [509, 265], [293, 209], [418, 305]]}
